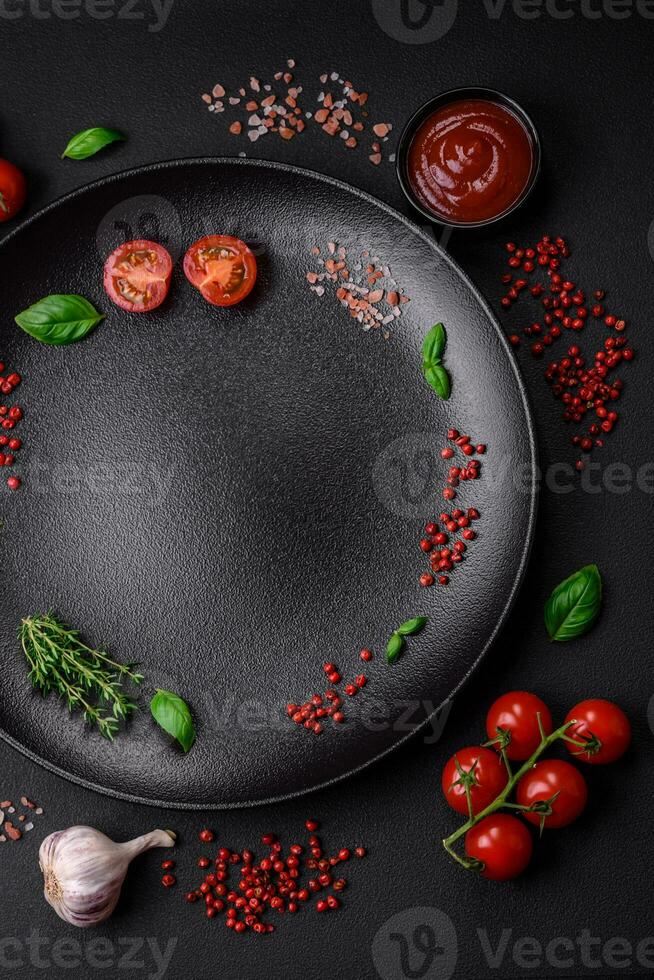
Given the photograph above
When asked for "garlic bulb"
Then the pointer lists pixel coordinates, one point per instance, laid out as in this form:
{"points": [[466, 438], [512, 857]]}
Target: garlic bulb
{"points": [[84, 871]]}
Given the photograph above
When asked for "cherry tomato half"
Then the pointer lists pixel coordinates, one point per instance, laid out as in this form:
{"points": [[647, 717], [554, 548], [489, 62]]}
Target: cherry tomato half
{"points": [[605, 721], [517, 713], [490, 777], [543, 781], [13, 190], [503, 843], [222, 268], [137, 276]]}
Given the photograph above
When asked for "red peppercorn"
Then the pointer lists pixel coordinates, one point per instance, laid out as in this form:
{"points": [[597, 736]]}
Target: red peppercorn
{"points": [[13, 483], [206, 836], [168, 881], [338, 717], [447, 453], [426, 580], [360, 680], [426, 544], [329, 668], [351, 690], [167, 865], [360, 852], [366, 655], [311, 825], [334, 677]]}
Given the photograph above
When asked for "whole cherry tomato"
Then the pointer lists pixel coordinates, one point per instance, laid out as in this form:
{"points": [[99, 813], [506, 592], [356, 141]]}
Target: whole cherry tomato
{"points": [[13, 190], [607, 722], [222, 267], [489, 774], [503, 843], [517, 713], [549, 778], [137, 276]]}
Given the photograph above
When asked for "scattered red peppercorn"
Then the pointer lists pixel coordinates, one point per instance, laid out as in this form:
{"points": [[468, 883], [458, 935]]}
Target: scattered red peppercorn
{"points": [[206, 836], [168, 881]]}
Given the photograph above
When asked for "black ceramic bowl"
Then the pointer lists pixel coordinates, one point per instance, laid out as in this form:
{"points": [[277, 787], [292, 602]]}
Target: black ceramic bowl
{"points": [[456, 95]]}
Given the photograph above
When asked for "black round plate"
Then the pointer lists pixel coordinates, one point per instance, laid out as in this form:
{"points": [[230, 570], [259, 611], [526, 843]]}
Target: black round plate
{"points": [[232, 497]]}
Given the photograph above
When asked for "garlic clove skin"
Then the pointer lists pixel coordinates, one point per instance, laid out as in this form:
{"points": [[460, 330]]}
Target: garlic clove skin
{"points": [[84, 870]]}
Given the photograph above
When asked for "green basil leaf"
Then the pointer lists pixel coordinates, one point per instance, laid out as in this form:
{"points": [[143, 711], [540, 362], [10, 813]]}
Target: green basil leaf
{"points": [[438, 378], [412, 626], [434, 344], [574, 605], [394, 648], [59, 319], [89, 141], [173, 715]]}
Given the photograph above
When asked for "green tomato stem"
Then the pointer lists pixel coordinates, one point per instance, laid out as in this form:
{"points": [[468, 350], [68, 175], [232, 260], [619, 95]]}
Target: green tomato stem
{"points": [[471, 864]]}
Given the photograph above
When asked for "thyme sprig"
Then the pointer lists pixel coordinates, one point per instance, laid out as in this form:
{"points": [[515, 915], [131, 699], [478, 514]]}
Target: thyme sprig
{"points": [[87, 680]]}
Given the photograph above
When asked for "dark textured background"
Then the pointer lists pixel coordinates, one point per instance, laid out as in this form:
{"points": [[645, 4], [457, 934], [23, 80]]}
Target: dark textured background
{"points": [[588, 86]]}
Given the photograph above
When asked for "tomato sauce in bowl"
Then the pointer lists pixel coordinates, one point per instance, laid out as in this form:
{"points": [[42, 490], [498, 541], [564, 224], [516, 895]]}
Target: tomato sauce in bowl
{"points": [[468, 160]]}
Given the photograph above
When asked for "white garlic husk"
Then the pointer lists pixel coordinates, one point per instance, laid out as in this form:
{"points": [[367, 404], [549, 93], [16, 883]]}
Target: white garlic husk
{"points": [[83, 871]]}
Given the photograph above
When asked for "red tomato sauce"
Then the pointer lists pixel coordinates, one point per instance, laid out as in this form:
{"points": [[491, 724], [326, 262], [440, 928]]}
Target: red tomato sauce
{"points": [[469, 161]]}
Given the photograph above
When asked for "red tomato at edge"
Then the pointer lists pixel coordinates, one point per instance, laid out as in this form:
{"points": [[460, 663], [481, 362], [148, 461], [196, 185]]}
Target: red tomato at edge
{"points": [[13, 190]]}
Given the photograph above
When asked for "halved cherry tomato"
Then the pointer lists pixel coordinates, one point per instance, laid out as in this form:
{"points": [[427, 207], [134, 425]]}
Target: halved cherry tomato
{"points": [[553, 778], [137, 275], [607, 722], [13, 190], [489, 774], [503, 843], [517, 713], [222, 268]]}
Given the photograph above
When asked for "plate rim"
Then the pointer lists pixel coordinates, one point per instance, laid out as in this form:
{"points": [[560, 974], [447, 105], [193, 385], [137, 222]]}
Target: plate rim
{"points": [[303, 172]]}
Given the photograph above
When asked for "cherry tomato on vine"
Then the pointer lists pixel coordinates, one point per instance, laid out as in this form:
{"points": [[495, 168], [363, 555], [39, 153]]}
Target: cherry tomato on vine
{"points": [[222, 268], [517, 713], [490, 778], [13, 190], [503, 843], [545, 780], [607, 722], [137, 276]]}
